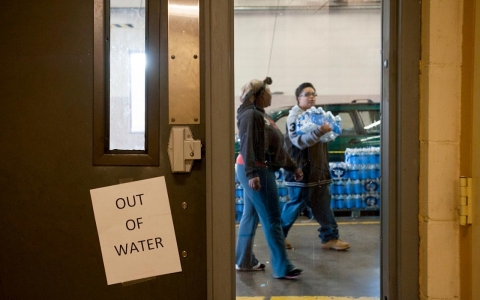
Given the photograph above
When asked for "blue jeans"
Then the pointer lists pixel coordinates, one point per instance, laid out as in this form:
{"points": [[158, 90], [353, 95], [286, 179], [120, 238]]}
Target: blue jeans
{"points": [[261, 206], [318, 199]]}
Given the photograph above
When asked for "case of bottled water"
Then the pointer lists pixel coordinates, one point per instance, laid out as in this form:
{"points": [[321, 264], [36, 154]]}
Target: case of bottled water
{"points": [[356, 182], [314, 117]]}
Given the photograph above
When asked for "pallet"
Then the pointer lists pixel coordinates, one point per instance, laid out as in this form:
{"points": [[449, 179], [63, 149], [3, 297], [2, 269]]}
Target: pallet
{"points": [[355, 213]]}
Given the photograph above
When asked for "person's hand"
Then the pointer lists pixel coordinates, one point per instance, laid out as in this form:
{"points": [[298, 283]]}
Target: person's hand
{"points": [[298, 174], [325, 128], [254, 183]]}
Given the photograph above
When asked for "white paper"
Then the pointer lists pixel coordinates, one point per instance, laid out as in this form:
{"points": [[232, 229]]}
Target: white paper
{"points": [[135, 229]]}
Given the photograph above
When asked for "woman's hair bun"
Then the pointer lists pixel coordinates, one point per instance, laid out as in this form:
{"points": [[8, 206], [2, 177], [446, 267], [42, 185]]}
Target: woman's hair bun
{"points": [[267, 80]]}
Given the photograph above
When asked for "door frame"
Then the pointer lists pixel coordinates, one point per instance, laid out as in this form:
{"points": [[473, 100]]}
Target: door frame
{"points": [[469, 146], [401, 37], [218, 81], [400, 149]]}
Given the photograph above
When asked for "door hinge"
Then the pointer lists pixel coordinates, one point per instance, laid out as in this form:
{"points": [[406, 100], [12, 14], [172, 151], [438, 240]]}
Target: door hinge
{"points": [[465, 208]]}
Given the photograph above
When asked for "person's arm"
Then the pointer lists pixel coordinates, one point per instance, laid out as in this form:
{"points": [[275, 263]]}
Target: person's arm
{"points": [[292, 167], [247, 137], [250, 130], [305, 140]]}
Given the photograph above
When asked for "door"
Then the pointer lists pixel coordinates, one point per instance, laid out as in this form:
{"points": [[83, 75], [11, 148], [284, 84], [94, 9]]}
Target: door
{"points": [[50, 245]]}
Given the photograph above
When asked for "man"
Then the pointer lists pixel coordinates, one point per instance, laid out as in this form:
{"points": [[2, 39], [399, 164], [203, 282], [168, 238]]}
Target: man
{"points": [[314, 190]]}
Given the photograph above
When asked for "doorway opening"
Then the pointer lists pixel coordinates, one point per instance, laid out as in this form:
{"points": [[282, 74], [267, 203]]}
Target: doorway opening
{"points": [[336, 46]]}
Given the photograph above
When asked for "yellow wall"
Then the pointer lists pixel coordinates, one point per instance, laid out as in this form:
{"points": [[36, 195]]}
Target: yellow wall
{"points": [[440, 148], [440, 128]]}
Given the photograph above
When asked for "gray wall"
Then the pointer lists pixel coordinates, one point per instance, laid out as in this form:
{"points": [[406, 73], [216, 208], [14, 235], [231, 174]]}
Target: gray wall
{"points": [[337, 50]]}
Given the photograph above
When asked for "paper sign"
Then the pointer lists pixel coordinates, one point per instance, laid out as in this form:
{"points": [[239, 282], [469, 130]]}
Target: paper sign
{"points": [[135, 229]]}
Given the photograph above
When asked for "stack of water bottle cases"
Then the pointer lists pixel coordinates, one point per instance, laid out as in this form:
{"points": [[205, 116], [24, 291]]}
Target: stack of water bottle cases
{"points": [[355, 186], [356, 182]]}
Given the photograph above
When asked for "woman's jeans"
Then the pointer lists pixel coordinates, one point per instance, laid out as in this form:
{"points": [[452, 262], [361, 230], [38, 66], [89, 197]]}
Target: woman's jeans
{"points": [[261, 206], [318, 199]]}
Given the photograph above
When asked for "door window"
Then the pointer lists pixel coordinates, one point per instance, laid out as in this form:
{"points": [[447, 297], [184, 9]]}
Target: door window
{"points": [[126, 85], [126, 60]]}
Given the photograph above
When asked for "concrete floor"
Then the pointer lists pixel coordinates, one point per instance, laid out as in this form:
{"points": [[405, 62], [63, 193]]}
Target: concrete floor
{"points": [[352, 273]]}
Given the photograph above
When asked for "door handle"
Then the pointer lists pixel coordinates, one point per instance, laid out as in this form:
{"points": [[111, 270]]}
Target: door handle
{"points": [[183, 149], [354, 141]]}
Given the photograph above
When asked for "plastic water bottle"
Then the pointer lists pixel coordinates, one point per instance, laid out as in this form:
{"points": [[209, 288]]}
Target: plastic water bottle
{"points": [[357, 199], [238, 209], [336, 187], [362, 156], [376, 151], [354, 171], [340, 202], [370, 156], [341, 186], [349, 202], [328, 137], [337, 125], [371, 171], [377, 170], [318, 118], [363, 171], [331, 135], [348, 152], [364, 203], [349, 189], [333, 202], [238, 190], [333, 189], [357, 187], [354, 157]]}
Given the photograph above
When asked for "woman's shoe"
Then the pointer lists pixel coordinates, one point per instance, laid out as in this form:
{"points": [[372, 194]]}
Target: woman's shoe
{"points": [[258, 267], [292, 274]]}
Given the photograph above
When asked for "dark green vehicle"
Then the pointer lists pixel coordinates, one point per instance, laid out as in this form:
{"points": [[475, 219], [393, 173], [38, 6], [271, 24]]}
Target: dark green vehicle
{"points": [[360, 126]]}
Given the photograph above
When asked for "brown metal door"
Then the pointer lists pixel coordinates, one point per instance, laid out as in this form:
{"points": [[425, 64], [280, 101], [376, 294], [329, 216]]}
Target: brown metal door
{"points": [[48, 238]]}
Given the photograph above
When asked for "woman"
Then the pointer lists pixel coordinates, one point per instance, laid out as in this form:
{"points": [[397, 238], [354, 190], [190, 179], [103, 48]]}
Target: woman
{"points": [[261, 154], [314, 190]]}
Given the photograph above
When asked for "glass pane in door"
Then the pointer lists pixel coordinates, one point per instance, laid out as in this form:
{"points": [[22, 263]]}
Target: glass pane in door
{"points": [[127, 63]]}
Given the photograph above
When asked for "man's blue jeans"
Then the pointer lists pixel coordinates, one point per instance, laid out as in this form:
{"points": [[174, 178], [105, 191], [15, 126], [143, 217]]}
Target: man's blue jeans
{"points": [[318, 199], [264, 206]]}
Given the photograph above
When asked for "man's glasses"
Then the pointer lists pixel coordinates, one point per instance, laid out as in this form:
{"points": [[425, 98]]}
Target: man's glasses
{"points": [[308, 94]]}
